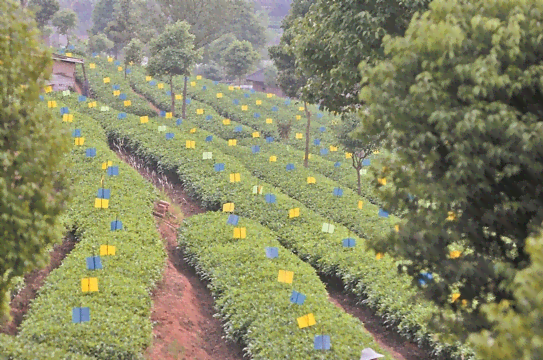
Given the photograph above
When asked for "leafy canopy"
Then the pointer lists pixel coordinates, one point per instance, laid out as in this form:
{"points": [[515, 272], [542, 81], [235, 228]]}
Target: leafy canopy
{"points": [[460, 100], [99, 43], [239, 58], [44, 10], [133, 52], [32, 145], [122, 28], [65, 20]]}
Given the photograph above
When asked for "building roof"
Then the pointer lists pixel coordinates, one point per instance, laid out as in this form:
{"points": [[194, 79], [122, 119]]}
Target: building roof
{"points": [[64, 58], [257, 76]]}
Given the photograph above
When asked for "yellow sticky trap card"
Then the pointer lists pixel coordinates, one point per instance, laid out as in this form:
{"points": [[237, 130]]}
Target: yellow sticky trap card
{"points": [[376, 152], [48, 89], [89, 284], [199, 111], [68, 117], [52, 104], [69, 54], [333, 148], [109, 59], [455, 297], [144, 119], [348, 155], [455, 254], [116, 92], [451, 216], [244, 108], [231, 88], [127, 103], [160, 85], [219, 95], [308, 156], [198, 77], [285, 276], [240, 233], [226, 122], [178, 97], [378, 256], [258, 102], [228, 207], [107, 250], [148, 78], [232, 142], [101, 203], [256, 134], [193, 83], [257, 190], [360, 204], [301, 108], [235, 177], [273, 158], [92, 104], [269, 121], [192, 131], [268, 95], [397, 228], [92, 65], [119, 68], [168, 115], [107, 80], [311, 180], [382, 181], [106, 165], [298, 117], [299, 136], [306, 321], [190, 144], [292, 213], [79, 141]]}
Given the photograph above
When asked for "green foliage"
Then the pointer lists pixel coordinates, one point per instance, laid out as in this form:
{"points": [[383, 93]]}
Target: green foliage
{"points": [[120, 326], [517, 332], [14, 348], [102, 14], [245, 25], [32, 145], [133, 53], [459, 98], [99, 43], [270, 76], [216, 49], [335, 36], [239, 58], [44, 10], [121, 29], [212, 71], [257, 310], [65, 21]]}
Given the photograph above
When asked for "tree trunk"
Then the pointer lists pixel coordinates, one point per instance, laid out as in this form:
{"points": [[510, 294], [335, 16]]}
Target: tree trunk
{"points": [[308, 115], [358, 179], [357, 165], [173, 96], [67, 41], [86, 84], [125, 70], [185, 98]]}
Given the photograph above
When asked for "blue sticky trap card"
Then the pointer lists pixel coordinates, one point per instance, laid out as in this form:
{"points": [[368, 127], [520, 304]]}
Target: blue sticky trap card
{"points": [[178, 122], [269, 139], [209, 117], [321, 342], [204, 87], [410, 197], [319, 115], [238, 129], [322, 129], [128, 71], [122, 96], [338, 192], [116, 225], [383, 213], [232, 220], [215, 83], [104, 193], [287, 102], [113, 171], [246, 95], [317, 142], [71, 47], [117, 63], [81, 98], [324, 151], [152, 82], [64, 110], [290, 167], [162, 113], [80, 315], [76, 133], [90, 152], [169, 136], [255, 149], [42, 98], [274, 108], [94, 263], [61, 51], [256, 115], [252, 91], [297, 298], [116, 87], [209, 138], [219, 167], [188, 101], [349, 242], [121, 116], [169, 93], [272, 252], [235, 102], [94, 54], [270, 198], [337, 164], [366, 162]]}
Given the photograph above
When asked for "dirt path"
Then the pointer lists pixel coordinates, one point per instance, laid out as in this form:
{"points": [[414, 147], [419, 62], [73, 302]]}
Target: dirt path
{"points": [[183, 308], [33, 281]]}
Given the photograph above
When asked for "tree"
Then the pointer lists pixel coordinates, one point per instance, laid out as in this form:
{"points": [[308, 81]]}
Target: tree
{"points": [[245, 25], [335, 36], [32, 147], [65, 21], [270, 76], [133, 53], [216, 48], [99, 43], [516, 332], [239, 59], [102, 14], [173, 54], [44, 10], [459, 98], [122, 28]]}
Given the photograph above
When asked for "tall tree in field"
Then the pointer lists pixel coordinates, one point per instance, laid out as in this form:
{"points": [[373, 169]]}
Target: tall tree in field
{"points": [[122, 28], [173, 54], [32, 146], [460, 100], [289, 76], [239, 58], [102, 14], [99, 43], [65, 21], [133, 53], [44, 10]]}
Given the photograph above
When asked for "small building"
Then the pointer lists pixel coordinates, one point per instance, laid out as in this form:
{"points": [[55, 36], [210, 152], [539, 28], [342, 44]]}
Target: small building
{"points": [[63, 76], [257, 79]]}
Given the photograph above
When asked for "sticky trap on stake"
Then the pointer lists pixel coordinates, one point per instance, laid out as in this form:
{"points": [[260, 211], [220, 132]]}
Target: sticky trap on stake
{"points": [[321, 342], [228, 207], [306, 321], [311, 180], [349, 242], [219, 167], [328, 228], [232, 220], [257, 189], [337, 192], [106, 250], [297, 298], [208, 155], [80, 315], [285, 276], [116, 225], [383, 213], [293, 213], [240, 233], [272, 252], [255, 149], [90, 152], [270, 198], [112, 171], [89, 284], [290, 167], [94, 263]]}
